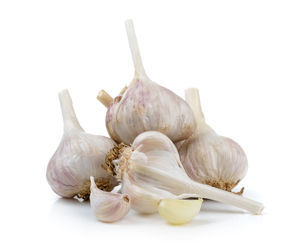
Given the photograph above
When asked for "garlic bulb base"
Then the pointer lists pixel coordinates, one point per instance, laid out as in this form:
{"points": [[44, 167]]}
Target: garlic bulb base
{"points": [[224, 185], [114, 154], [105, 184]]}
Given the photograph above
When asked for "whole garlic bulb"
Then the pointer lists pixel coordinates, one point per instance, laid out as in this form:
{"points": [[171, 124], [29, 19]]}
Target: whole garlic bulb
{"points": [[209, 158], [146, 106], [108, 206], [151, 170], [78, 156]]}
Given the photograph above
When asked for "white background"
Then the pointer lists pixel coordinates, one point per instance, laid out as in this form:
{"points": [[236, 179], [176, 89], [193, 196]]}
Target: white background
{"points": [[244, 56]]}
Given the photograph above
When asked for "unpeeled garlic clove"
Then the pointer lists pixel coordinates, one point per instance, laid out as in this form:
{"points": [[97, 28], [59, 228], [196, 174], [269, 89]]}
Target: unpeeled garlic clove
{"points": [[78, 156], [145, 106], [209, 158], [178, 212], [151, 170], [107, 206]]}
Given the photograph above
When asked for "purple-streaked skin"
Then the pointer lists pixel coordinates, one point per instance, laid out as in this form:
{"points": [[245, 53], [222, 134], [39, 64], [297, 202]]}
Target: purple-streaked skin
{"points": [[147, 106], [209, 158], [78, 156], [216, 160], [108, 206]]}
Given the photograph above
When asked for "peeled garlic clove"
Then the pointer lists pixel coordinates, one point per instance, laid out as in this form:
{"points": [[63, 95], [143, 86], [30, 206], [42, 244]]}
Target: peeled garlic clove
{"points": [[209, 158], [79, 156], [178, 212], [152, 166], [145, 106], [108, 207]]}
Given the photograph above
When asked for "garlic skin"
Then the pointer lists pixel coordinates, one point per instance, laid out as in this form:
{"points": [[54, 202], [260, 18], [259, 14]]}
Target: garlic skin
{"points": [[209, 158], [151, 170], [146, 106], [178, 212], [78, 156], [106, 206]]}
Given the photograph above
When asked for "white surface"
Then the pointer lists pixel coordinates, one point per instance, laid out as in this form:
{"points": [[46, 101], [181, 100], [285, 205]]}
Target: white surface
{"points": [[242, 55]]}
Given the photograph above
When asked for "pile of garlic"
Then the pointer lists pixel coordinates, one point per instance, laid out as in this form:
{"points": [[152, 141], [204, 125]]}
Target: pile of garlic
{"points": [[161, 154]]}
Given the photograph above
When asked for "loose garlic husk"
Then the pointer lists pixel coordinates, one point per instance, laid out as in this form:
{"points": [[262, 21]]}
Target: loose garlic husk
{"points": [[145, 106], [107, 206], [151, 170], [178, 212], [78, 156], [209, 158]]}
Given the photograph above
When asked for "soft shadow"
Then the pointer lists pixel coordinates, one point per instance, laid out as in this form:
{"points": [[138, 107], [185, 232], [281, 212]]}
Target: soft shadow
{"points": [[65, 209], [64, 202]]}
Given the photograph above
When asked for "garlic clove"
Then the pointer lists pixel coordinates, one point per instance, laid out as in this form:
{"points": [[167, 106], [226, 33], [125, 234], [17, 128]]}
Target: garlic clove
{"points": [[145, 106], [145, 198], [178, 212], [209, 158], [78, 156], [159, 173], [106, 206]]}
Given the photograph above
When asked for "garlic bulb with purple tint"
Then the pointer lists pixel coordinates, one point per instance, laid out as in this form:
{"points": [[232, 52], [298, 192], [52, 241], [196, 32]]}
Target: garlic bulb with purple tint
{"points": [[79, 156], [108, 206], [146, 106], [209, 158], [151, 170]]}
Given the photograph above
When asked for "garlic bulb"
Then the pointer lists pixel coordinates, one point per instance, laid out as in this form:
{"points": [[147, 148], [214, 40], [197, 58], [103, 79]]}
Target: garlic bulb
{"points": [[79, 156], [145, 106], [209, 158], [178, 212], [107, 206], [151, 170]]}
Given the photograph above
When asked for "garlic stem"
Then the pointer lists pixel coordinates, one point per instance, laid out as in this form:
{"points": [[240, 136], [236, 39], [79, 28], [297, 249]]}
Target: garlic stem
{"points": [[68, 113], [135, 52], [186, 185], [193, 99], [104, 98]]}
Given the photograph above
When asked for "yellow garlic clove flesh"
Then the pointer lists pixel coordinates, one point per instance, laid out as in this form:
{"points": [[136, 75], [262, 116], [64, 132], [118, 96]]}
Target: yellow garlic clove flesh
{"points": [[178, 212]]}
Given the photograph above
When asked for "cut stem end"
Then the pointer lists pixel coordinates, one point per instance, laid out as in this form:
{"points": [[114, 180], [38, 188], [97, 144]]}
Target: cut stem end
{"points": [[104, 98]]}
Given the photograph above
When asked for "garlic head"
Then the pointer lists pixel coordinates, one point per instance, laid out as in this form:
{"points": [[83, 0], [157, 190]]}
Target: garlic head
{"points": [[146, 106], [78, 156], [209, 158]]}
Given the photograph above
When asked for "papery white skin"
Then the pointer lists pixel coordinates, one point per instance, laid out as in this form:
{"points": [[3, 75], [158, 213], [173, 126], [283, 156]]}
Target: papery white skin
{"points": [[151, 170], [147, 106], [78, 156], [209, 158], [108, 206]]}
